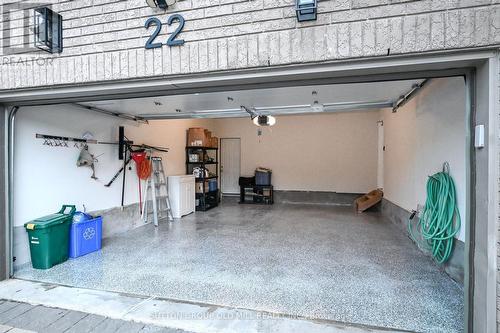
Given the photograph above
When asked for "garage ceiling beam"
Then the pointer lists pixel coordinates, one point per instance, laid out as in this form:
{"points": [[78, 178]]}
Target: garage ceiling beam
{"points": [[112, 113], [274, 111]]}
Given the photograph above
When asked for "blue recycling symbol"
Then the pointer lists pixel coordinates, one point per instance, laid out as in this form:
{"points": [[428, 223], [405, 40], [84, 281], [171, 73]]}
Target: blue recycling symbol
{"points": [[89, 233]]}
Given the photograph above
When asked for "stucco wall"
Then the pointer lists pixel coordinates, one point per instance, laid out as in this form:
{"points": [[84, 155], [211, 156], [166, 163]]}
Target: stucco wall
{"points": [[105, 40], [328, 152]]}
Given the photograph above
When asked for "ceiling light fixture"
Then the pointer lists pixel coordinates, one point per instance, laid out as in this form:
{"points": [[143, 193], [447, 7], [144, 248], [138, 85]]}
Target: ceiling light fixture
{"points": [[264, 121], [258, 119]]}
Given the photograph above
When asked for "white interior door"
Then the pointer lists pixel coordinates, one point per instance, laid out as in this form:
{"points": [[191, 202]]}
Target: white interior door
{"points": [[230, 165]]}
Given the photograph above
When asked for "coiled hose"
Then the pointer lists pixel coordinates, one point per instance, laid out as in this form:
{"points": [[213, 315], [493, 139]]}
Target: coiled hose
{"points": [[440, 220]]}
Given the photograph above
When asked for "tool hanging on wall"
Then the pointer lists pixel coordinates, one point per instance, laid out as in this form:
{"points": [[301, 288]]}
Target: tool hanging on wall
{"points": [[143, 168], [62, 141], [84, 159], [126, 150], [117, 174], [87, 159]]}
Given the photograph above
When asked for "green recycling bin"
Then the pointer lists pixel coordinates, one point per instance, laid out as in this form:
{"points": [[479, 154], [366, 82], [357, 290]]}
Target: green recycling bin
{"points": [[49, 238]]}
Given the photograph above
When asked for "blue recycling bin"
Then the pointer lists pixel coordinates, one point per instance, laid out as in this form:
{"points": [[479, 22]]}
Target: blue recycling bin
{"points": [[85, 237]]}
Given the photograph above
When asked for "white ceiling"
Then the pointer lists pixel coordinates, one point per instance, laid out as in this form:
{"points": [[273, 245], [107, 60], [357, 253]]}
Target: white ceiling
{"points": [[299, 98]]}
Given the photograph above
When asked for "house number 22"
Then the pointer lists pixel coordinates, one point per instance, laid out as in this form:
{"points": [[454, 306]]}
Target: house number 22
{"points": [[172, 40]]}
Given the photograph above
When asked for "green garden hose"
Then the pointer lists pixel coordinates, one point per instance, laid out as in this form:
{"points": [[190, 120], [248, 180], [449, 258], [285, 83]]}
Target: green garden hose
{"points": [[440, 220]]}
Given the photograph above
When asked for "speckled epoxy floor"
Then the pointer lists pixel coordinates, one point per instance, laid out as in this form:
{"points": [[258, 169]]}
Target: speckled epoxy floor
{"points": [[315, 261]]}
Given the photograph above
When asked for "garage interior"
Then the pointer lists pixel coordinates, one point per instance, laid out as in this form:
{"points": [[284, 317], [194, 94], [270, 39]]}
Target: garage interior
{"points": [[310, 254]]}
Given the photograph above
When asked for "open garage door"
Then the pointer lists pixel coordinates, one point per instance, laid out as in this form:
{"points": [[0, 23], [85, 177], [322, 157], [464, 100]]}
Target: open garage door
{"points": [[309, 254]]}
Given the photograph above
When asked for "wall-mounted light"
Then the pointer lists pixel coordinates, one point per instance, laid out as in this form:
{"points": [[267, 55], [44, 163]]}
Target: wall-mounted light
{"points": [[162, 4], [264, 121], [306, 10], [48, 30]]}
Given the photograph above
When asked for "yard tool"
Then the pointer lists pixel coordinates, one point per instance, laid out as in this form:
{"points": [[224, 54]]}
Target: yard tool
{"points": [[143, 167], [117, 174], [87, 159]]}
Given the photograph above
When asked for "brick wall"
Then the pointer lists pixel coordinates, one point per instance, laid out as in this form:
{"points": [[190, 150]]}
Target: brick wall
{"points": [[104, 40]]}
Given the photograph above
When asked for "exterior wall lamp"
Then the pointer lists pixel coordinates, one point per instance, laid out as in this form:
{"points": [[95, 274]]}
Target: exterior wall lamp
{"points": [[162, 4], [48, 30], [307, 10]]}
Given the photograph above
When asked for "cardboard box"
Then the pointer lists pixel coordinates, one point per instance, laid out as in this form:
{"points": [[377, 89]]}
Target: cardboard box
{"points": [[196, 137], [214, 142], [208, 136], [199, 187]]}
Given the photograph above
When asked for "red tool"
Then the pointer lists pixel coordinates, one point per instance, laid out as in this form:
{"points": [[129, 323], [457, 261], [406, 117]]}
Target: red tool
{"points": [[143, 167]]}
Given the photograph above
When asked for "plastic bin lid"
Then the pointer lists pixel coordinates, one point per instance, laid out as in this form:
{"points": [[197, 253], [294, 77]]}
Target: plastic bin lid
{"points": [[46, 221]]}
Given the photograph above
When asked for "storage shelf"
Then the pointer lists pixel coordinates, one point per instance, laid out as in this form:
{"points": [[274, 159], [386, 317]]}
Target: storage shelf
{"points": [[202, 148], [206, 207], [205, 178], [257, 194], [201, 163], [209, 192], [209, 199]]}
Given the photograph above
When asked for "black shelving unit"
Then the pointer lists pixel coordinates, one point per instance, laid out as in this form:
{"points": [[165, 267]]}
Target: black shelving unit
{"points": [[261, 194], [208, 160]]}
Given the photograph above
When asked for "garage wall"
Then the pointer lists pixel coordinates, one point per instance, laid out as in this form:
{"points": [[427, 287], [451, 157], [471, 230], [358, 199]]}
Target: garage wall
{"points": [[332, 152], [423, 134], [104, 40], [41, 169]]}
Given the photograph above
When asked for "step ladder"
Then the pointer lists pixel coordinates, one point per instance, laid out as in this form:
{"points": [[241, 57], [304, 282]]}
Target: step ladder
{"points": [[157, 187]]}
